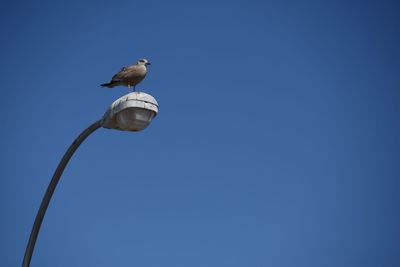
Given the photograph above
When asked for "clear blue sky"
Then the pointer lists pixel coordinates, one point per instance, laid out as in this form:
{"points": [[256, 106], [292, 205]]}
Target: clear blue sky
{"points": [[277, 142]]}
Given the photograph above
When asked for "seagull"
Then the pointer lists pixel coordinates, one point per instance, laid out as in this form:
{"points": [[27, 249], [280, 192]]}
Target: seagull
{"points": [[130, 75]]}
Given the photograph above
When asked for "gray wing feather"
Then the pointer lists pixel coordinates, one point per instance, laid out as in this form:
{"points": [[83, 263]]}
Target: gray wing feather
{"points": [[123, 73]]}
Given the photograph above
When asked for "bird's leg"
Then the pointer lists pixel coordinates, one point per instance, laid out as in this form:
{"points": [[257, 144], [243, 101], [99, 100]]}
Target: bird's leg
{"points": [[129, 88], [134, 88]]}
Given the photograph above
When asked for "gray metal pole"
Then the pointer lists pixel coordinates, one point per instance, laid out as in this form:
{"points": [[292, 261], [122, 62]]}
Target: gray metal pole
{"points": [[52, 186]]}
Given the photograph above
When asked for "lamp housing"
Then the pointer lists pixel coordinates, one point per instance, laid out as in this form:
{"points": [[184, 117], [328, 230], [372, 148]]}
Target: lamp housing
{"points": [[131, 112]]}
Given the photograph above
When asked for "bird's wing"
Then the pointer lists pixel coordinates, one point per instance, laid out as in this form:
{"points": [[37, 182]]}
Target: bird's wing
{"points": [[122, 73]]}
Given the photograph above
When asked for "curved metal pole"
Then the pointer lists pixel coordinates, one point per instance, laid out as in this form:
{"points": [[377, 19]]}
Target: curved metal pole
{"points": [[52, 186]]}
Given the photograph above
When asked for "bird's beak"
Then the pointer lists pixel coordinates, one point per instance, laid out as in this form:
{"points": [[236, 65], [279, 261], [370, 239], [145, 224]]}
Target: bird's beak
{"points": [[148, 63]]}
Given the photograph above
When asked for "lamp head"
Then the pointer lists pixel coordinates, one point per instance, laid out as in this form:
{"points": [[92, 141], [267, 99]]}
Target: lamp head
{"points": [[132, 112]]}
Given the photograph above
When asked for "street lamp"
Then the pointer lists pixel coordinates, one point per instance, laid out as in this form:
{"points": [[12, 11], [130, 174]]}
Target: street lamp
{"points": [[132, 112]]}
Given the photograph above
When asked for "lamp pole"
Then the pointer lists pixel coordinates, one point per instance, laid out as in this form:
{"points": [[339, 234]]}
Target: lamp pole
{"points": [[132, 112], [52, 186]]}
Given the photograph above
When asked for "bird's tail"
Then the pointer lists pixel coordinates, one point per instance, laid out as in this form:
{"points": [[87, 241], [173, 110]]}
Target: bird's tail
{"points": [[109, 85]]}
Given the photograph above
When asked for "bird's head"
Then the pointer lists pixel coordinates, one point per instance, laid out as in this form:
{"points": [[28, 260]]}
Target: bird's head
{"points": [[143, 62]]}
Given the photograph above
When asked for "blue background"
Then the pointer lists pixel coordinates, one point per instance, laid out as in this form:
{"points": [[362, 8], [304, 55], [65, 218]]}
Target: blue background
{"points": [[277, 141]]}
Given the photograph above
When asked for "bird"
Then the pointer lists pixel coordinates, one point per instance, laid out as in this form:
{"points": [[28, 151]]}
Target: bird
{"points": [[130, 75]]}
